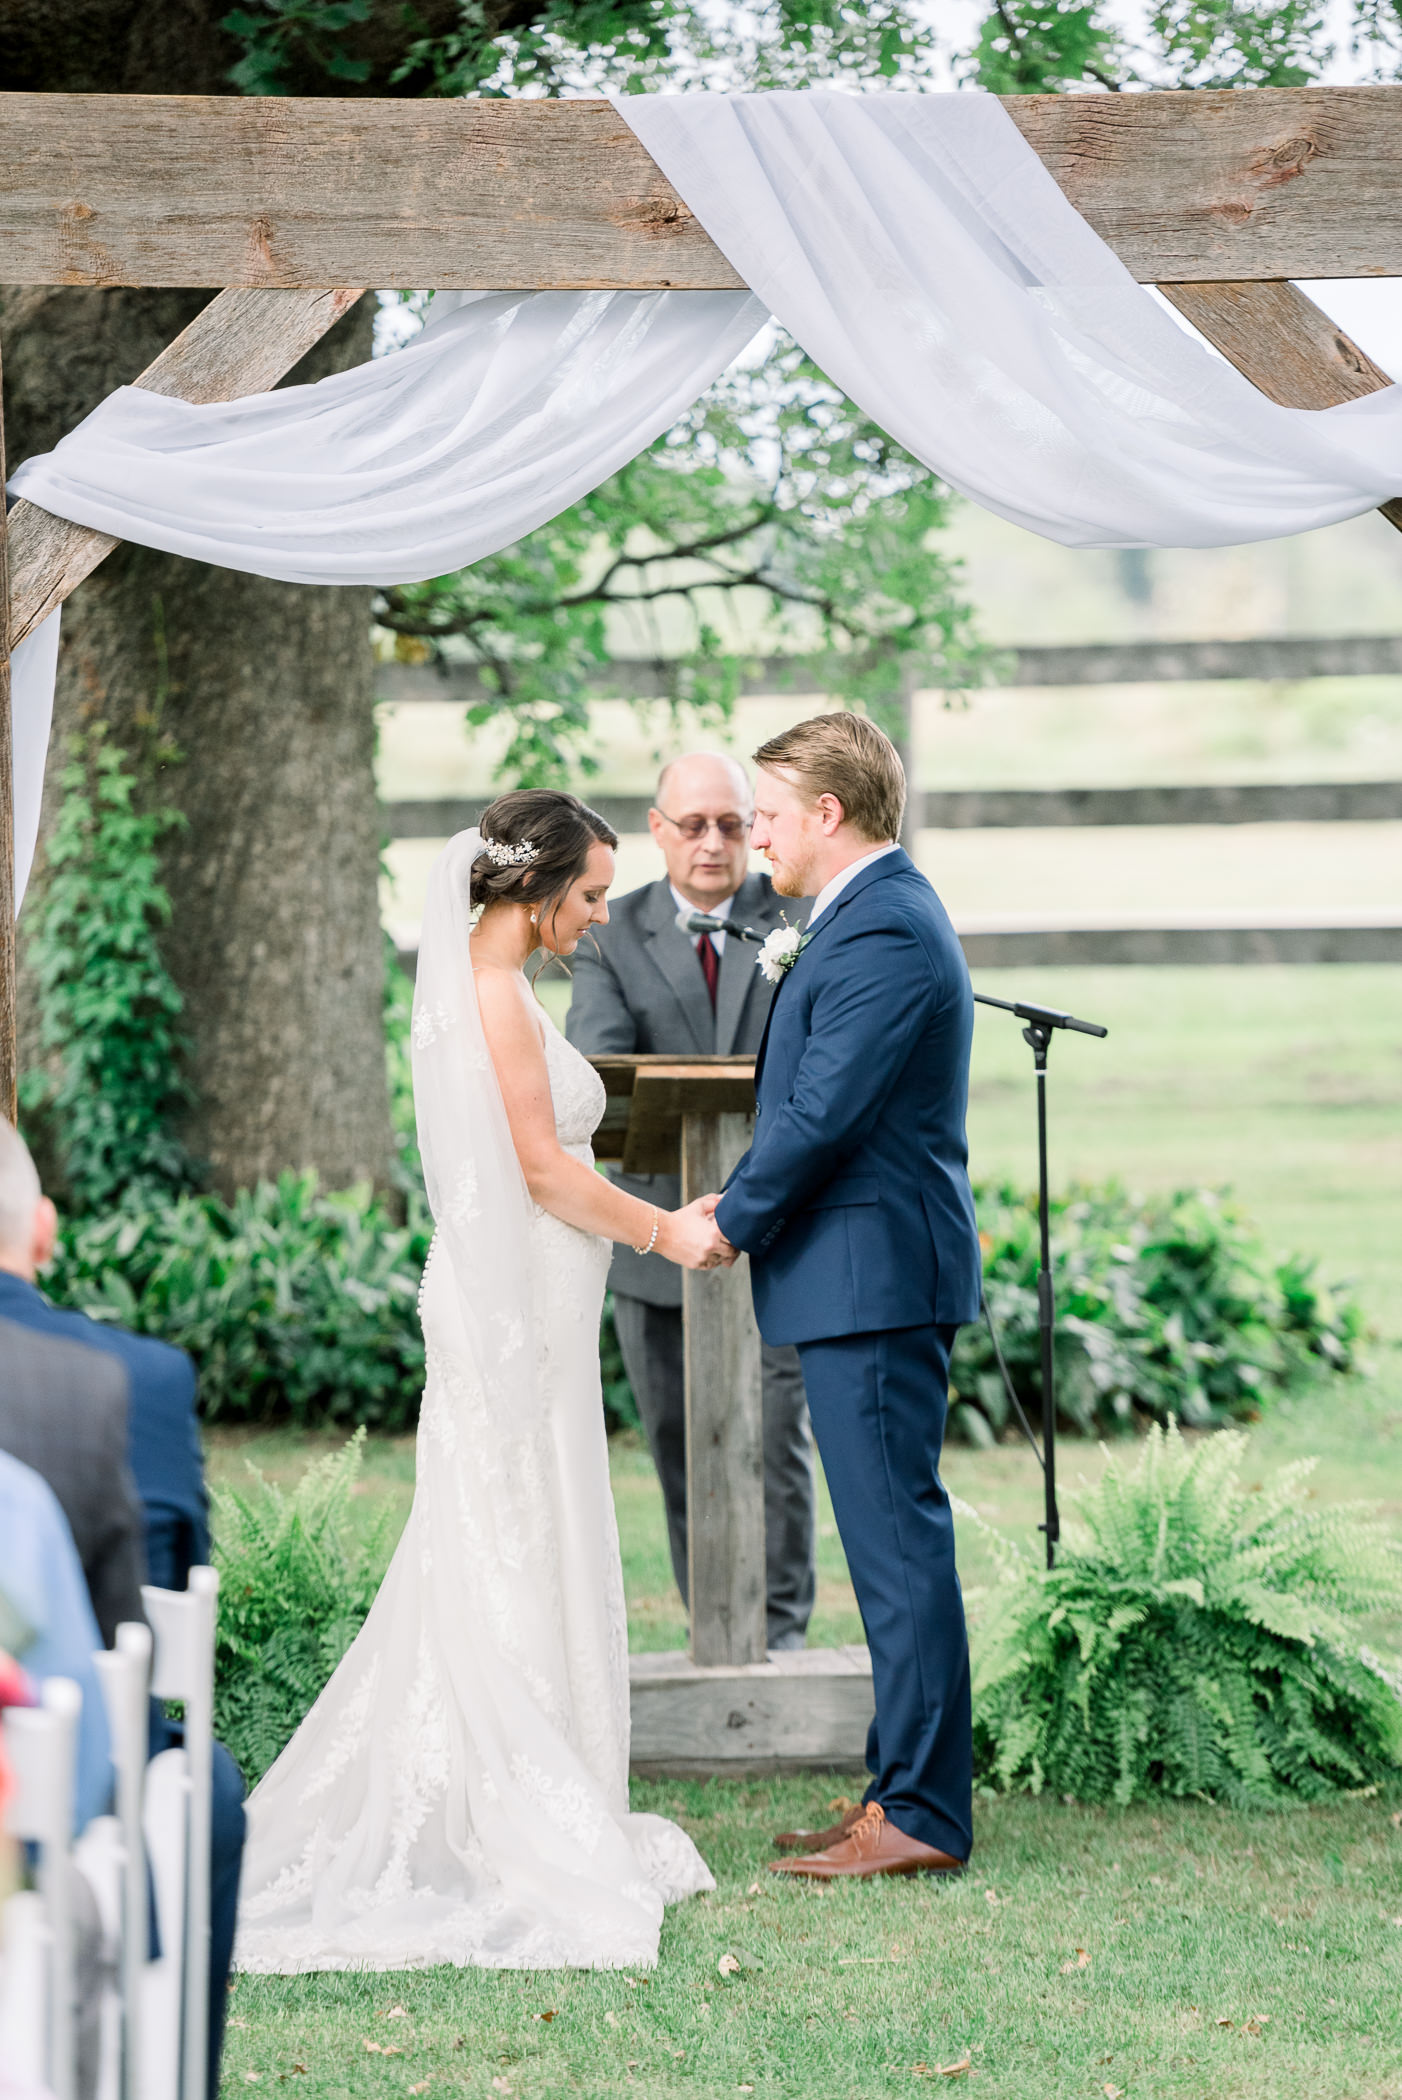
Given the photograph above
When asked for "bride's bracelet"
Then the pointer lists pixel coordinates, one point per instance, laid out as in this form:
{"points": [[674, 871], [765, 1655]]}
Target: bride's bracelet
{"points": [[656, 1226]]}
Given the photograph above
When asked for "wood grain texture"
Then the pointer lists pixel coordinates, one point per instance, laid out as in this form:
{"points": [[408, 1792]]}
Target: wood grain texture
{"points": [[724, 1424], [9, 1007], [242, 343], [270, 190], [1228, 185], [1285, 345], [809, 1709]]}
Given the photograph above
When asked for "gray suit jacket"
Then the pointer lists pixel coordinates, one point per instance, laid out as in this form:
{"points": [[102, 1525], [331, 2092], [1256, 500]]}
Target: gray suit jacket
{"points": [[643, 991], [63, 1411]]}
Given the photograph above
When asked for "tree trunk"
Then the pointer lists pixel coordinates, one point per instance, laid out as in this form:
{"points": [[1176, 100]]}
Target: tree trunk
{"points": [[265, 690]]}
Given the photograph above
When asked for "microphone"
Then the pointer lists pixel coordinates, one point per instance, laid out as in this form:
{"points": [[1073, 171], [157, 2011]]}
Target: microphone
{"points": [[695, 922]]}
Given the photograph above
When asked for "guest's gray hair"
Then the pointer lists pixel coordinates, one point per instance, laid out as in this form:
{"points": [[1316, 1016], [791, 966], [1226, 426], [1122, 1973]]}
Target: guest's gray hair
{"points": [[19, 1189]]}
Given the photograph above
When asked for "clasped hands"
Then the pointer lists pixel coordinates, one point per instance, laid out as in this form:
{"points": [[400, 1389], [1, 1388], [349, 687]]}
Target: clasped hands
{"points": [[700, 1242]]}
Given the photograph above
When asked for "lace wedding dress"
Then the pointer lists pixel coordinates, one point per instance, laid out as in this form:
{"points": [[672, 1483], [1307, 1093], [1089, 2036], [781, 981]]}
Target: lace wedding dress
{"points": [[459, 1792]]}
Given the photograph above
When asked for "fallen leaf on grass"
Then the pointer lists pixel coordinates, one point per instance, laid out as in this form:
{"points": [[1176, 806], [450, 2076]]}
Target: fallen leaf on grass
{"points": [[1255, 2023], [396, 2012], [501, 2085], [1111, 2092], [990, 1896], [422, 2086], [1224, 2023], [383, 2049], [301, 2069], [754, 1889], [1397, 1819], [551, 2015], [729, 1965], [610, 2019], [959, 2070], [1082, 1961]]}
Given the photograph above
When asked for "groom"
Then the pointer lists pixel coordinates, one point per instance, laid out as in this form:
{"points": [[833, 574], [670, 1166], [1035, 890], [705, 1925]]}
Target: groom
{"points": [[854, 1207]]}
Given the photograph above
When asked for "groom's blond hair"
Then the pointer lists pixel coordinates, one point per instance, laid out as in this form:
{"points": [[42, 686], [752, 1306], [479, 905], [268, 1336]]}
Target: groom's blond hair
{"points": [[847, 756]]}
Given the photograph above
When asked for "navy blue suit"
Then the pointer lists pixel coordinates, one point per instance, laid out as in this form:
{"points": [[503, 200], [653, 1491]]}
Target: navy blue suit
{"points": [[853, 1204], [169, 1472]]}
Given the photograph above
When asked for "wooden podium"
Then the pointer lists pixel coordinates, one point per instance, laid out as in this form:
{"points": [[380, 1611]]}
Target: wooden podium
{"points": [[727, 1706], [694, 1116]]}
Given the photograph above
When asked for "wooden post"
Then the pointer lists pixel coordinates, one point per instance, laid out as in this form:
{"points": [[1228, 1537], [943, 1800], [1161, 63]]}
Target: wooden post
{"points": [[724, 1425], [9, 1016]]}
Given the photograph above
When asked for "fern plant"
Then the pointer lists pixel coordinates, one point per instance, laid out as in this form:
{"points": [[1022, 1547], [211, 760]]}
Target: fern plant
{"points": [[297, 1574], [1195, 1637]]}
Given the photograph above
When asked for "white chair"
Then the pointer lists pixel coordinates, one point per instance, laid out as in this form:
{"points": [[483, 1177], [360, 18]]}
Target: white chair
{"points": [[24, 1966], [182, 1625], [41, 1744], [112, 1853], [166, 1823]]}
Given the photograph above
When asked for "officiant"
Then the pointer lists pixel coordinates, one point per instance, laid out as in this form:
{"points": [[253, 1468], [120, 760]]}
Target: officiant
{"points": [[645, 987]]}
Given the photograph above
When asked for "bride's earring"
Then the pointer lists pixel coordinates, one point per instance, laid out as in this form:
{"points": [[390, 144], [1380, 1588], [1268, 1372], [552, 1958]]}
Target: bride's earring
{"points": [[533, 918]]}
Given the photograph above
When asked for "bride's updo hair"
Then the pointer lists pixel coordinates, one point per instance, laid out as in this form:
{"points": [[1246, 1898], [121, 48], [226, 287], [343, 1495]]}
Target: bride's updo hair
{"points": [[560, 827]]}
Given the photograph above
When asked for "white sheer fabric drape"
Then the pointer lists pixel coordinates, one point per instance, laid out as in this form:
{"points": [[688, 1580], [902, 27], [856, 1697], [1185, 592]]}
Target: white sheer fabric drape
{"points": [[503, 411], [915, 246], [923, 255]]}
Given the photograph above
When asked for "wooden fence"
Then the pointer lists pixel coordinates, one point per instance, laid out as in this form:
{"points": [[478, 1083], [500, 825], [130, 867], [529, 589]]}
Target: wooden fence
{"points": [[1114, 663]]}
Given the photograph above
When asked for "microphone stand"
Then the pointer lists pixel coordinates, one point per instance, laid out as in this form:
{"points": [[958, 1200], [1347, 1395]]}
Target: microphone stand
{"points": [[1041, 1020]]}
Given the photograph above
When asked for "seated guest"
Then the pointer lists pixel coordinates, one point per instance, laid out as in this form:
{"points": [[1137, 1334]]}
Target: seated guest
{"points": [[163, 1452], [641, 984], [49, 1626], [48, 1618]]}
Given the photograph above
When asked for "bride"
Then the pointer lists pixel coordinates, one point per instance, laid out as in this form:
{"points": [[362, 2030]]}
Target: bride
{"points": [[459, 1792]]}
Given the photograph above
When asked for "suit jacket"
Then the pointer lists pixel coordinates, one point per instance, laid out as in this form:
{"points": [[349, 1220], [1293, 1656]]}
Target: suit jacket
{"points": [[642, 990], [163, 1436], [63, 1413], [853, 1202]]}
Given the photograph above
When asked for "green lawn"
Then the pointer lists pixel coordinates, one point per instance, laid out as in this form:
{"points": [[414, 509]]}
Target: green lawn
{"points": [[1179, 1950]]}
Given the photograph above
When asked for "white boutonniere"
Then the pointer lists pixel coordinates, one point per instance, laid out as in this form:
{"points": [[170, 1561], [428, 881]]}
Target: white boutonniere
{"points": [[780, 952]]}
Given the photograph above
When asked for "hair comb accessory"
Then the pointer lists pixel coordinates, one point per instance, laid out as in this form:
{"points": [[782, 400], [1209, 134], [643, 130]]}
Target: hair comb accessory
{"points": [[504, 856]]}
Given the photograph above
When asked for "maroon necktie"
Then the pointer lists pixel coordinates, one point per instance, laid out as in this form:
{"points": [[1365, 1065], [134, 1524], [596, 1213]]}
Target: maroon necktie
{"points": [[710, 965]]}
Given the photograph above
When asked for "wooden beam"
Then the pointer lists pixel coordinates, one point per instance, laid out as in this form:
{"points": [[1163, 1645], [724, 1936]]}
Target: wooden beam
{"points": [[242, 343], [1285, 345], [9, 1003], [1214, 185]]}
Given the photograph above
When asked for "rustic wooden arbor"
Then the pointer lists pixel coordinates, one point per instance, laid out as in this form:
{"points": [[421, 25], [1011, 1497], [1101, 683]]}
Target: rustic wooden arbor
{"points": [[290, 208]]}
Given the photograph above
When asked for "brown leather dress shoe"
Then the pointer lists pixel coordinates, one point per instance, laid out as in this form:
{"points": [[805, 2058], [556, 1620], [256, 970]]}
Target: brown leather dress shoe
{"points": [[872, 1846], [818, 1840]]}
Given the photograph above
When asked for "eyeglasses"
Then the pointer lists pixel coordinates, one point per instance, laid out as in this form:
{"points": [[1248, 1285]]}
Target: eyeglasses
{"points": [[731, 828]]}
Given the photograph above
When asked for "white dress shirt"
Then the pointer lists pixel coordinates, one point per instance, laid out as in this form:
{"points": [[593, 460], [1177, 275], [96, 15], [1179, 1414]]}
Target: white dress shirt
{"points": [[831, 891], [712, 911]]}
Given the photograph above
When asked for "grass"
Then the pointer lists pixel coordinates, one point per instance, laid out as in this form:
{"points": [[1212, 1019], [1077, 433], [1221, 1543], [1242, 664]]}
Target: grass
{"points": [[1179, 1950]]}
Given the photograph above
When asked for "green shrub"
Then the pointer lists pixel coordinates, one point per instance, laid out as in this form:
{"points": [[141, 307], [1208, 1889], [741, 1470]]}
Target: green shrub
{"points": [[1166, 1306], [297, 1575], [291, 1302], [1195, 1637], [303, 1304]]}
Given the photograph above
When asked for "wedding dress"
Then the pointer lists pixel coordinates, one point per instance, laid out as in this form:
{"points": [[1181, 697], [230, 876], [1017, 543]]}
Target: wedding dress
{"points": [[459, 1792]]}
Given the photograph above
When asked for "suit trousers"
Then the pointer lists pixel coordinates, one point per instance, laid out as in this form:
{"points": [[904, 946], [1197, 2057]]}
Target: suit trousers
{"points": [[878, 1403], [650, 1337]]}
